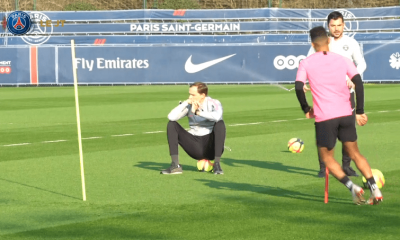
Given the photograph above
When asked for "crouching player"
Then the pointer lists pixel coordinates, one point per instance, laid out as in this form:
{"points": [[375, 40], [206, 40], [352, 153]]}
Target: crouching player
{"points": [[326, 72], [206, 137]]}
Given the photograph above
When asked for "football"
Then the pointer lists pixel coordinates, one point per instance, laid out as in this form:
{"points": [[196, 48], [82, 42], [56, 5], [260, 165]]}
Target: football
{"points": [[296, 145], [378, 176], [205, 165]]}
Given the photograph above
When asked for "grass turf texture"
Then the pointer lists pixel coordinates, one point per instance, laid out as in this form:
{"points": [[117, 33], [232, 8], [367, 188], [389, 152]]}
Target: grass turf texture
{"points": [[265, 193]]}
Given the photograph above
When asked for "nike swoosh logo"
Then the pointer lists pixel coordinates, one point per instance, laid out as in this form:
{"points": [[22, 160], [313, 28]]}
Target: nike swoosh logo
{"points": [[194, 68]]}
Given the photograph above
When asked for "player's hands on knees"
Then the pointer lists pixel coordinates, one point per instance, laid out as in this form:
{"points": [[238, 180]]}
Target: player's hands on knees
{"points": [[310, 114], [361, 119], [305, 88], [350, 84]]}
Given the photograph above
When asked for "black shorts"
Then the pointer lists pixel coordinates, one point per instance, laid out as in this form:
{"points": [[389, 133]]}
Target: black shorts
{"points": [[342, 128]]}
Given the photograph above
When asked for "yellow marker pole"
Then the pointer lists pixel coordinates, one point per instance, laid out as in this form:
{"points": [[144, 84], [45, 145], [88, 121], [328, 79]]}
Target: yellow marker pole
{"points": [[78, 118]]}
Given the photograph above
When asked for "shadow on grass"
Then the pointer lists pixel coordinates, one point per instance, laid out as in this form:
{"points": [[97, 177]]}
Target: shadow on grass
{"points": [[287, 151], [270, 165], [156, 166], [273, 191], [41, 189]]}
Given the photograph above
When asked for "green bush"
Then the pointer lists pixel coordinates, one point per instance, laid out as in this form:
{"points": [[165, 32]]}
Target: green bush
{"points": [[80, 6], [178, 4]]}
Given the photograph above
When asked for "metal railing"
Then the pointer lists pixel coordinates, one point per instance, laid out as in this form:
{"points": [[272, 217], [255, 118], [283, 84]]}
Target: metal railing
{"points": [[62, 5]]}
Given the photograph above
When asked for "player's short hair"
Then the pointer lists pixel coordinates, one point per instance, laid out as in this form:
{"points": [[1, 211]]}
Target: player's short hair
{"points": [[201, 87], [317, 34], [335, 15]]}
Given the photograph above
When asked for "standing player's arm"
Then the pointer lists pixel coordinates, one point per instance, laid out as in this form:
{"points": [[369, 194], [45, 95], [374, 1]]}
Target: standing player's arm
{"points": [[353, 74], [359, 93], [361, 117], [301, 78], [301, 97], [216, 111], [358, 59], [179, 112]]}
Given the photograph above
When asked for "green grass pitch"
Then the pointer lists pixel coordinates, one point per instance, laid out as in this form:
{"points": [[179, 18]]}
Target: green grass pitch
{"points": [[265, 193]]}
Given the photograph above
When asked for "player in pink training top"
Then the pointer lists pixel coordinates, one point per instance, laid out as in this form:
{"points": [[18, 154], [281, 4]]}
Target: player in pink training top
{"points": [[326, 72], [347, 47]]}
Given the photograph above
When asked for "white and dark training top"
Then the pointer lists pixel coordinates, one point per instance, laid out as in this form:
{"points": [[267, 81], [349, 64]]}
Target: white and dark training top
{"points": [[347, 47], [202, 124]]}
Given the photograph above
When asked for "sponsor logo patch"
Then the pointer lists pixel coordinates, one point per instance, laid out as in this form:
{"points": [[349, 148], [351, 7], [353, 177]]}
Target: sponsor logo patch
{"points": [[193, 68], [290, 62], [18, 22], [395, 60], [40, 32], [5, 67]]}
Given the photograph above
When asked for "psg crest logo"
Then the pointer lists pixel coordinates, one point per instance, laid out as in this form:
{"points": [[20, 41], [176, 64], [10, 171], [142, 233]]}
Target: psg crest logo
{"points": [[18, 23]]}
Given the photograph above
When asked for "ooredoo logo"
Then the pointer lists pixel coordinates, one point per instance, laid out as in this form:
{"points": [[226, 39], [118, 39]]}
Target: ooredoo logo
{"points": [[5, 67], [395, 60], [290, 62]]}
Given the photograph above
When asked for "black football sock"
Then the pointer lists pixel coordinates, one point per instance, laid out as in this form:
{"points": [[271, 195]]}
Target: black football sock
{"points": [[217, 159], [347, 182], [175, 160], [371, 184]]}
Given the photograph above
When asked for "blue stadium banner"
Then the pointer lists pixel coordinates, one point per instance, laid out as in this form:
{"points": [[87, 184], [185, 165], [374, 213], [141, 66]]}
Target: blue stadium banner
{"points": [[251, 46], [383, 61], [181, 64], [215, 14], [14, 66], [242, 63]]}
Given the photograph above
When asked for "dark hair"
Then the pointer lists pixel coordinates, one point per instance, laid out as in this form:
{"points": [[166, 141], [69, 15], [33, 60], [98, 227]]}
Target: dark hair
{"points": [[318, 33], [335, 16], [201, 87]]}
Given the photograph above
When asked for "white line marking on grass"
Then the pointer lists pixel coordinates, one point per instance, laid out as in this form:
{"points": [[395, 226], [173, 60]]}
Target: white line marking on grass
{"points": [[91, 138], [244, 124], [17, 144], [131, 134], [280, 86], [279, 121], [122, 135], [55, 141], [153, 132]]}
